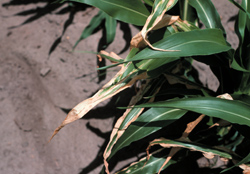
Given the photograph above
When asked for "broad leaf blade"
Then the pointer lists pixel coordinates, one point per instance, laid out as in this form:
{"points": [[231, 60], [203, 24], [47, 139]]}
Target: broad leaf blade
{"points": [[190, 43], [232, 111], [129, 11], [149, 122]]}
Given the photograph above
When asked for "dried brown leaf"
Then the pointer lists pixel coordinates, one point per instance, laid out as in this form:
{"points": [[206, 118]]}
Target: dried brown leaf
{"points": [[191, 126], [85, 106], [225, 96], [172, 152], [140, 39], [111, 54], [137, 42], [246, 168], [161, 21]]}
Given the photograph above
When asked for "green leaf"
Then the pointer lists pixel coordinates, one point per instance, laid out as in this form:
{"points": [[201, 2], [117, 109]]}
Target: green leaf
{"points": [[150, 166], [187, 12], [94, 23], [149, 122], [243, 98], [232, 111], [129, 11], [126, 121], [242, 32], [188, 43], [110, 25], [131, 114], [190, 145], [242, 28], [243, 8], [207, 13], [237, 67], [149, 2], [243, 161]]}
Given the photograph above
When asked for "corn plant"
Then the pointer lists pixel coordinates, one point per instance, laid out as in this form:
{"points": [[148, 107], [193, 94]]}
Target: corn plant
{"points": [[192, 118]]}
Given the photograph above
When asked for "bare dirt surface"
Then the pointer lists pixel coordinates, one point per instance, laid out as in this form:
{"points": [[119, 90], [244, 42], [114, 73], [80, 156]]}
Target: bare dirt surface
{"points": [[41, 80]]}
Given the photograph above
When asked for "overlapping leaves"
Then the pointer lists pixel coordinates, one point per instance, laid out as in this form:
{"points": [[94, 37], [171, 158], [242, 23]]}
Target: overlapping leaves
{"points": [[129, 11], [148, 62]]}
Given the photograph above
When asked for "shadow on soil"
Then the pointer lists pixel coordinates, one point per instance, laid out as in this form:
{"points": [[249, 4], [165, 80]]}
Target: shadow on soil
{"points": [[72, 8]]}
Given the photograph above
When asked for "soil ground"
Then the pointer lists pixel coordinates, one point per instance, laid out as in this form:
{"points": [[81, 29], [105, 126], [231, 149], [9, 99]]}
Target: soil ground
{"points": [[41, 80]]}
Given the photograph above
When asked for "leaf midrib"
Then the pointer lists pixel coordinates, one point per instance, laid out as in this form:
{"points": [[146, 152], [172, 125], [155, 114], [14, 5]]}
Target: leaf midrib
{"points": [[211, 26], [194, 42], [125, 8]]}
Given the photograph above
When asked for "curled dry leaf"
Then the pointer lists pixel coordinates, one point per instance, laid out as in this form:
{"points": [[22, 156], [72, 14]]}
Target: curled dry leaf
{"points": [[161, 21], [111, 54], [208, 155], [225, 96], [154, 22], [246, 168], [140, 39], [137, 42], [191, 126]]}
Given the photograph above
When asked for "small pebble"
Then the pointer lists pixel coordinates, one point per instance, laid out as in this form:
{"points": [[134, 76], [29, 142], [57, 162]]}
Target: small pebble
{"points": [[44, 71]]}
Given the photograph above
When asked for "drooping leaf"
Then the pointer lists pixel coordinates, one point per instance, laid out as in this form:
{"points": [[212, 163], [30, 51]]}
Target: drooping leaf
{"points": [[129, 11], [149, 122], [190, 145], [150, 166], [230, 110]]}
